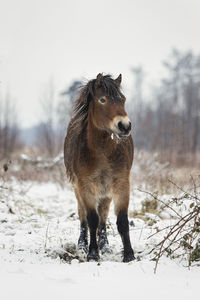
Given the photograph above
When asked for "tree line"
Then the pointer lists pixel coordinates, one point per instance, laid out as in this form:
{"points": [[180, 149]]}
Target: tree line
{"points": [[166, 121]]}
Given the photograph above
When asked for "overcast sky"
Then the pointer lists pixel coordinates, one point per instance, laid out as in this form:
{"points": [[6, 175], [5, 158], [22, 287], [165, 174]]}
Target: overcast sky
{"points": [[73, 39]]}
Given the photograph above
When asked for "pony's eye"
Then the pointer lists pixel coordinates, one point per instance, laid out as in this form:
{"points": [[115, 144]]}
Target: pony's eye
{"points": [[102, 100]]}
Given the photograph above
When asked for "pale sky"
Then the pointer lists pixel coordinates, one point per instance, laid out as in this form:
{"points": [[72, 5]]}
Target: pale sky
{"points": [[65, 40]]}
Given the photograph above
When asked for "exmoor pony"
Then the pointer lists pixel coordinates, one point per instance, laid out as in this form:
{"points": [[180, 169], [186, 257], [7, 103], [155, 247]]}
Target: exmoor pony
{"points": [[98, 155]]}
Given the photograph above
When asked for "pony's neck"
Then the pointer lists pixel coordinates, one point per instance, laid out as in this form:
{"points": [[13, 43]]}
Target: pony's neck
{"points": [[99, 140]]}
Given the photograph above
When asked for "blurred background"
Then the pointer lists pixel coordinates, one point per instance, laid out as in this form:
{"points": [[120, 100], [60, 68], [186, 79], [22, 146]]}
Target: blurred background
{"points": [[49, 48]]}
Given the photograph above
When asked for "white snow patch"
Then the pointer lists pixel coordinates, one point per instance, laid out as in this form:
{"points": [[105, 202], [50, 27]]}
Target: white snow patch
{"points": [[39, 223]]}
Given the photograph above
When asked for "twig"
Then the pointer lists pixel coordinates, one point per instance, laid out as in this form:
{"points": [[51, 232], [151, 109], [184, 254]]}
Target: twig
{"points": [[3, 187], [46, 236], [181, 189], [165, 204]]}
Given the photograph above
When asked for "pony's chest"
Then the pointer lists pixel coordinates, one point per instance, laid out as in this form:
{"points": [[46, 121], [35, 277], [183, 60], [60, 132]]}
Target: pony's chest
{"points": [[102, 182]]}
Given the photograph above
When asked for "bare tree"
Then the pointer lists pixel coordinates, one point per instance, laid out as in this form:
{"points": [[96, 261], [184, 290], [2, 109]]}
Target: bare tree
{"points": [[65, 106], [46, 135], [137, 106], [9, 130], [55, 117]]}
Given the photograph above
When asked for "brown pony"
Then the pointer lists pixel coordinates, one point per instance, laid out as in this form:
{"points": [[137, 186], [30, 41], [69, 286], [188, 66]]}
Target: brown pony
{"points": [[98, 154]]}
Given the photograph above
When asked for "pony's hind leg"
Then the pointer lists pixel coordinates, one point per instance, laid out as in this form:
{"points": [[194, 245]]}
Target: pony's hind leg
{"points": [[83, 238], [103, 210]]}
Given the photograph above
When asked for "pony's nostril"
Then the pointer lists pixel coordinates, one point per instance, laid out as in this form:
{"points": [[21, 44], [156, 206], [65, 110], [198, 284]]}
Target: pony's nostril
{"points": [[125, 128], [120, 126]]}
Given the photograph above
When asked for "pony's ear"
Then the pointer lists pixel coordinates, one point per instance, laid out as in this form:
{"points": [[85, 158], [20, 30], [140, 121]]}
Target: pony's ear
{"points": [[99, 79], [118, 80]]}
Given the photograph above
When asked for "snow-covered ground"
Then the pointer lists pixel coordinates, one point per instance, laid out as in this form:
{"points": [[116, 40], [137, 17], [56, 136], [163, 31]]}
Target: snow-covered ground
{"points": [[39, 226]]}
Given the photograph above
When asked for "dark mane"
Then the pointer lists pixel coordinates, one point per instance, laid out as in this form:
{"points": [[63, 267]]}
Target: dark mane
{"points": [[87, 92]]}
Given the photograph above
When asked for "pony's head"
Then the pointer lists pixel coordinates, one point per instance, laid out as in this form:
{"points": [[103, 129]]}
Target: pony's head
{"points": [[105, 102]]}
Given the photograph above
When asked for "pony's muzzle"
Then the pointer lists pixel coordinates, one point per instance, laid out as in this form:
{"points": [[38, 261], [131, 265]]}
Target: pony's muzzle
{"points": [[124, 128], [121, 126]]}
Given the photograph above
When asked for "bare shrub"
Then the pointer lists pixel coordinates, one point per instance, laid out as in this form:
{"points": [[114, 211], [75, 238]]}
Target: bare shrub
{"points": [[182, 237]]}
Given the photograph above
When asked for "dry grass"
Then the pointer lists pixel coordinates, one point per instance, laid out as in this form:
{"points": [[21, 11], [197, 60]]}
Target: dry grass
{"points": [[33, 168], [149, 173]]}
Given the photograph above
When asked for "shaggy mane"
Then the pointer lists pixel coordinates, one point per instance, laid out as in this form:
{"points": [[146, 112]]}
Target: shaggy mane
{"points": [[87, 92]]}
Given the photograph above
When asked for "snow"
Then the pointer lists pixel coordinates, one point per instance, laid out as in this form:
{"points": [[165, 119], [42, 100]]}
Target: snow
{"points": [[39, 223], [88, 280]]}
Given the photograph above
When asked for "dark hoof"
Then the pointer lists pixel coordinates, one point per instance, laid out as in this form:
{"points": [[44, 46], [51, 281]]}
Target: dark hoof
{"points": [[93, 255], [129, 257]]}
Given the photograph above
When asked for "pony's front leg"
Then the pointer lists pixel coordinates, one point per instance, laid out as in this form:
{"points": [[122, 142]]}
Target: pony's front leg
{"points": [[121, 209], [93, 222], [123, 228], [87, 195]]}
